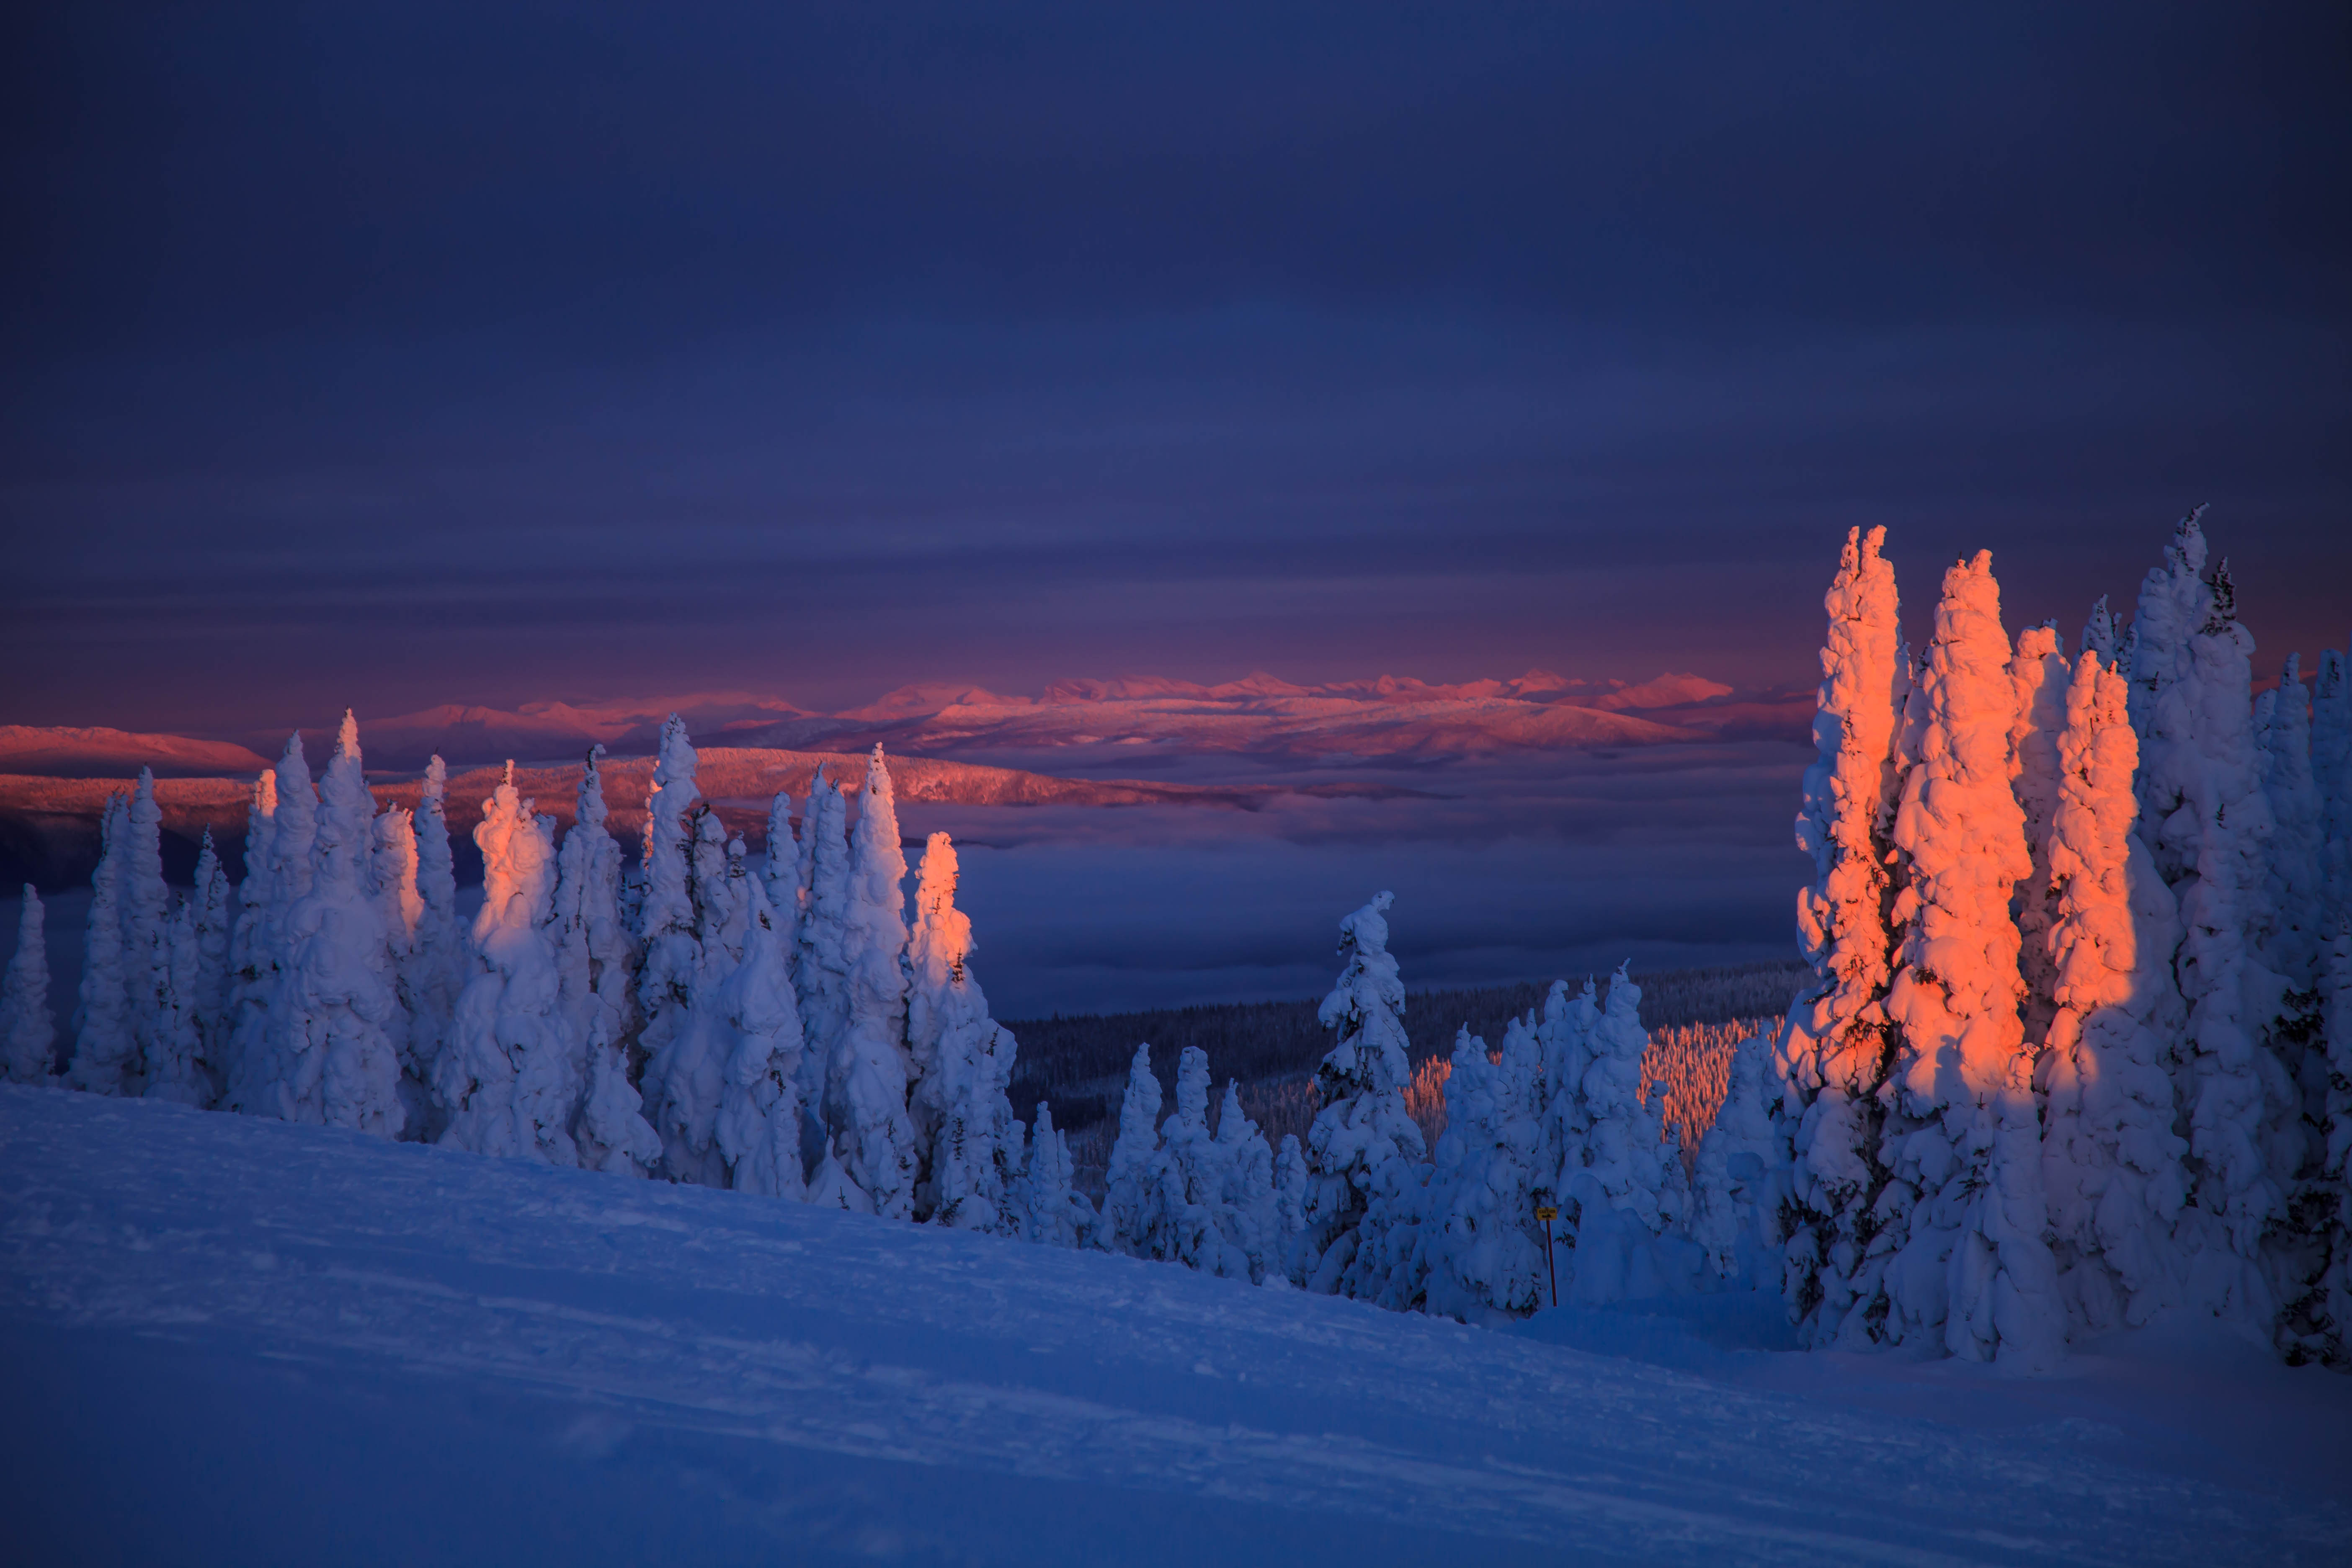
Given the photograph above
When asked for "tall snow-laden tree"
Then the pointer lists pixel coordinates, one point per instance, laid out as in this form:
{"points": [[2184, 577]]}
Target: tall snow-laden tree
{"points": [[1289, 1207], [1362, 1141], [253, 953], [1052, 1214], [1186, 1183], [510, 1080], [1837, 1046], [177, 1064], [868, 1081], [688, 1069], [1245, 1214], [964, 1061], [1740, 1173], [2111, 1161], [333, 1019], [821, 963], [395, 873], [28, 1031], [1626, 1166], [146, 928], [106, 1051], [781, 875], [2100, 635], [262, 1056], [2320, 1320], [2207, 824], [1130, 1191], [440, 961], [1482, 1249], [1564, 1036], [2295, 886], [2038, 676], [211, 920], [670, 942], [594, 965], [759, 1125], [1973, 1273]]}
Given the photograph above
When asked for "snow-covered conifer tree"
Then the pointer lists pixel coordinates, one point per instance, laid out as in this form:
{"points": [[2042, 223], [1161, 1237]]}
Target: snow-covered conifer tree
{"points": [[253, 963], [687, 1074], [2294, 887], [441, 959], [1052, 1214], [1362, 1141], [211, 920], [759, 1122], [28, 1031], [2207, 823], [176, 1068], [1289, 1205], [2110, 1159], [1625, 1162], [1482, 1249], [962, 1058], [509, 1080], [1186, 1186], [821, 963], [1564, 1035], [1835, 1052], [2099, 634], [868, 1081], [262, 1056], [2038, 677], [1132, 1190], [394, 870], [669, 944], [1973, 1273], [106, 1053], [332, 1020], [595, 961], [1740, 1173], [146, 928], [1245, 1214], [782, 873]]}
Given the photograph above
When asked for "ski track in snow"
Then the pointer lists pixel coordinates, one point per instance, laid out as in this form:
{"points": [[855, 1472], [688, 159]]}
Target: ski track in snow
{"points": [[630, 1308]]}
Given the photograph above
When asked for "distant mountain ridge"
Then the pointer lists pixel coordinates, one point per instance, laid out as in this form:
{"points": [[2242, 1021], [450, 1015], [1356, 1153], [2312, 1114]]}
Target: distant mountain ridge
{"points": [[1099, 725]]}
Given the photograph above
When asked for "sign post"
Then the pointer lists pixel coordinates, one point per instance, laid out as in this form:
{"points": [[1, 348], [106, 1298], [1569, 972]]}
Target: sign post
{"points": [[1546, 1214]]}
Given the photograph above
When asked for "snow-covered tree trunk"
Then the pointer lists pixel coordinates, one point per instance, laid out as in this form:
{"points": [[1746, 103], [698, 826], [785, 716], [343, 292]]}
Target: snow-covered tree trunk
{"points": [[28, 1030], [595, 962], [1363, 1142], [1836, 1048], [2207, 824], [867, 1084], [106, 1052], [2111, 1161], [758, 1121], [509, 1081], [1973, 1273]]}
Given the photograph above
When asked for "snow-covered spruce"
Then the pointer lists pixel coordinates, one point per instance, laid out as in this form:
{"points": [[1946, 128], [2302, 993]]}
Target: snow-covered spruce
{"points": [[29, 1032], [1361, 1142], [868, 1079], [1130, 1210], [1972, 1274], [821, 956], [2038, 676], [2293, 927], [394, 874], [2207, 824], [689, 1063], [252, 956], [669, 947], [594, 964], [146, 933], [1740, 1176], [1834, 1053], [332, 1023], [259, 1053], [210, 919], [1623, 1192], [963, 1059], [509, 1078], [759, 1121], [1052, 1213], [1245, 1213], [1289, 1207], [439, 960], [2110, 1159], [1481, 1249], [106, 1052]]}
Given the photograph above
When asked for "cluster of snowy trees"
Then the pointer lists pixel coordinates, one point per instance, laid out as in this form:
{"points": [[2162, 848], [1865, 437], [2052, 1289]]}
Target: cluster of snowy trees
{"points": [[789, 1032], [2079, 1048]]}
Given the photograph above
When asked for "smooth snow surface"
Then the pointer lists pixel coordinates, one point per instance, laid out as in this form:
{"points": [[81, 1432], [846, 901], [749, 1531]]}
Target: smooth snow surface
{"points": [[233, 1339]]}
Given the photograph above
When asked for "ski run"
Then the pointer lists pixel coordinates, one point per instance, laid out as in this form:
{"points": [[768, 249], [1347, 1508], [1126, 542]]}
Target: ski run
{"points": [[2075, 1080]]}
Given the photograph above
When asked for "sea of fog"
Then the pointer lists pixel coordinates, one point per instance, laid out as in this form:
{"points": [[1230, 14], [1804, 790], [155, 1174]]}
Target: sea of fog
{"points": [[1525, 870]]}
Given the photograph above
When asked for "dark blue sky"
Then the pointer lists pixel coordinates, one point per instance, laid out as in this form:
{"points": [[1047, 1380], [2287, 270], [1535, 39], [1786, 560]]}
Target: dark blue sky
{"points": [[399, 355]]}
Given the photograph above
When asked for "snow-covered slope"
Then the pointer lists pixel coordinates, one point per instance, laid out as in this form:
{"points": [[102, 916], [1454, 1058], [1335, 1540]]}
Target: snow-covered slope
{"points": [[232, 1341]]}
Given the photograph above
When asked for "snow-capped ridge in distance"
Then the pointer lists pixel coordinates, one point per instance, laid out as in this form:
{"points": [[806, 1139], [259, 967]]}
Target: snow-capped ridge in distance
{"points": [[79, 752]]}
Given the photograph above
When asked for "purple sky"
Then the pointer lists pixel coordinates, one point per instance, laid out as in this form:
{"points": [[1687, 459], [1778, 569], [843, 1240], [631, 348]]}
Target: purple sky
{"points": [[401, 355]]}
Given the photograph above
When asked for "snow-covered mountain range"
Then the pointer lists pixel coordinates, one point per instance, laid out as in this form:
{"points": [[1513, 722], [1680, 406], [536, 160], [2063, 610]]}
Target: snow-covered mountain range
{"points": [[1122, 725]]}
